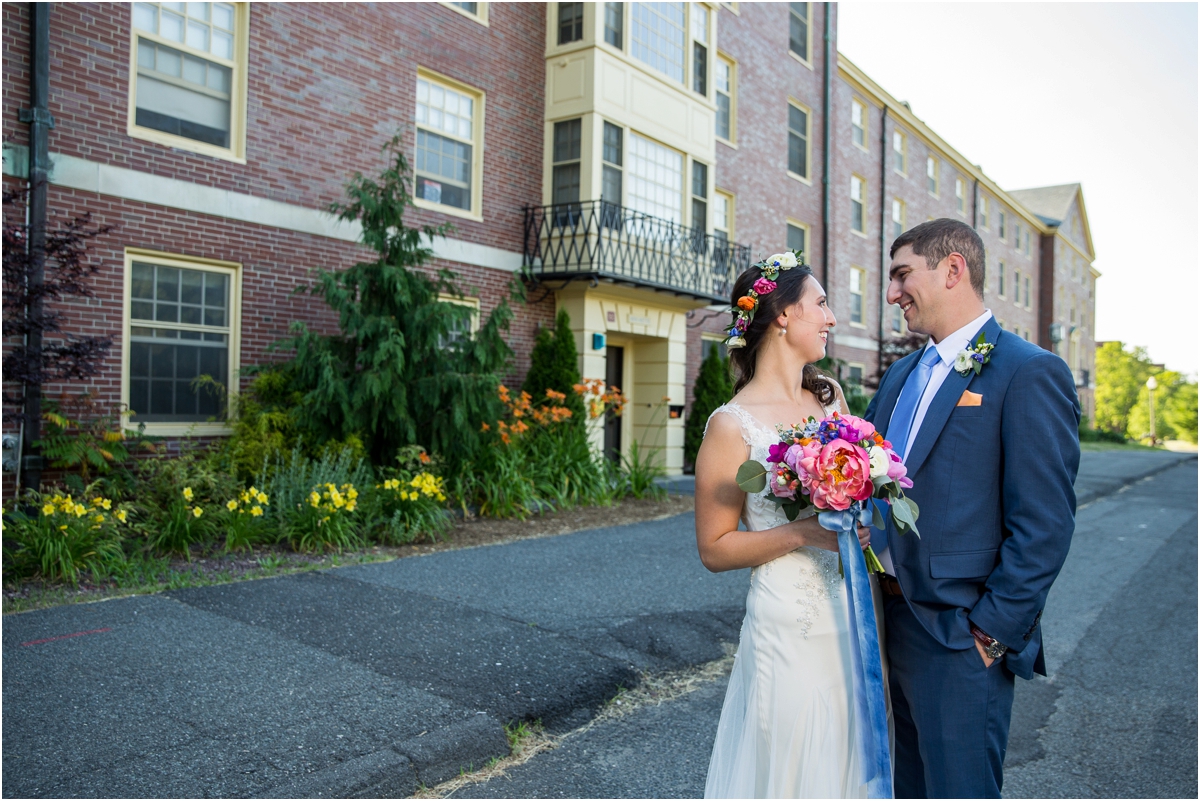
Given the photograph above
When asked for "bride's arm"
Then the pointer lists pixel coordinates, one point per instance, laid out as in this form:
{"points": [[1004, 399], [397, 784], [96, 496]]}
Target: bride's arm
{"points": [[719, 504]]}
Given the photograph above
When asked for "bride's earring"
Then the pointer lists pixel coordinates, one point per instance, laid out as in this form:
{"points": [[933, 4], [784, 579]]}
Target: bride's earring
{"points": [[782, 331]]}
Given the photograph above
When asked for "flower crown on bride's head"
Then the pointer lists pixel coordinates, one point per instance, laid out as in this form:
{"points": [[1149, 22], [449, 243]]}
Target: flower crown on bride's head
{"points": [[747, 305]]}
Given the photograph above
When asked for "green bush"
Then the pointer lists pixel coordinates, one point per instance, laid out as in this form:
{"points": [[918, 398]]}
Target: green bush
{"points": [[328, 519], [55, 537], [244, 521], [640, 472], [409, 502], [1089, 434], [180, 524], [714, 387], [554, 365]]}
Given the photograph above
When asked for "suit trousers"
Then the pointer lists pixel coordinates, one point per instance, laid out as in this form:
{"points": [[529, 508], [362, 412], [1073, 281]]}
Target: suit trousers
{"points": [[951, 713]]}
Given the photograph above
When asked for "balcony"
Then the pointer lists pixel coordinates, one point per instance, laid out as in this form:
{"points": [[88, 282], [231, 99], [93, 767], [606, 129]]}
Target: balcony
{"points": [[605, 242]]}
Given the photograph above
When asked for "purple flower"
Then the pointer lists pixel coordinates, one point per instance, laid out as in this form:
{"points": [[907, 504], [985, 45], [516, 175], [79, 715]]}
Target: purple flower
{"points": [[777, 451], [977, 357], [764, 286], [793, 456]]}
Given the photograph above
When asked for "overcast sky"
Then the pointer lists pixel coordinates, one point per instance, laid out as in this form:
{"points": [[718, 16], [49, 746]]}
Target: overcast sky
{"points": [[1054, 93]]}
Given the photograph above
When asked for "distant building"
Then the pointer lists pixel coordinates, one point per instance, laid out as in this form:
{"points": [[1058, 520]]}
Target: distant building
{"points": [[627, 158]]}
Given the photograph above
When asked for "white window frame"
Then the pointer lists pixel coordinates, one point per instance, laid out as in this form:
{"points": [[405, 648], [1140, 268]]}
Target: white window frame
{"points": [[861, 184], [729, 200], [723, 59], [803, 228], [983, 211], [475, 212], [861, 295], [233, 271], [807, 137], [480, 15], [1002, 275], [236, 152], [806, 59], [933, 169], [898, 205], [960, 196], [900, 154], [858, 130]]}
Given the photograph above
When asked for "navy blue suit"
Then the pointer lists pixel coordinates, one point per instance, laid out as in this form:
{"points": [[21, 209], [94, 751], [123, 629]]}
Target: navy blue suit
{"points": [[995, 487]]}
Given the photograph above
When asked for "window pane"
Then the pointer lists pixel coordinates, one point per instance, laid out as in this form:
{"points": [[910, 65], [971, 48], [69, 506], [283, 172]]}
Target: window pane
{"points": [[567, 138], [570, 22], [798, 33], [611, 191], [699, 179], [700, 69], [448, 165], [566, 183], [797, 141], [655, 179], [167, 106], [145, 16], [796, 238], [612, 144], [614, 24], [223, 16], [699, 23], [170, 26], [659, 37], [723, 116]]}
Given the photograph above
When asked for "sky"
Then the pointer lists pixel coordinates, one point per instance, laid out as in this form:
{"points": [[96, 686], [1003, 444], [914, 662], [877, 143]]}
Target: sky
{"points": [[1103, 94]]}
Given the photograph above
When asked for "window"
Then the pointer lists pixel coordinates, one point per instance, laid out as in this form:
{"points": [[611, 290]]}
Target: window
{"points": [[858, 123], [614, 24], [182, 325], [1027, 250], [475, 11], [1016, 287], [858, 282], [464, 328], [655, 177], [699, 49], [896, 321], [1028, 302], [1000, 288], [659, 37], [960, 195], [798, 40], [854, 373], [931, 175], [711, 342], [448, 123], [568, 136], [610, 191], [726, 104], [570, 22], [798, 141], [983, 211], [722, 218], [189, 79], [1017, 235], [699, 206], [900, 152], [1002, 223], [897, 217], [797, 237], [858, 194]]}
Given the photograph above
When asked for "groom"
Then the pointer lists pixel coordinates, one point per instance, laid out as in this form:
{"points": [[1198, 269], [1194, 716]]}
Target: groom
{"points": [[990, 439]]}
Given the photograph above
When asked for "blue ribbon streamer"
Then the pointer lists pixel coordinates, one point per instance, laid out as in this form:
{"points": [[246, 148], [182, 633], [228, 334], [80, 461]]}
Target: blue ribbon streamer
{"points": [[867, 665]]}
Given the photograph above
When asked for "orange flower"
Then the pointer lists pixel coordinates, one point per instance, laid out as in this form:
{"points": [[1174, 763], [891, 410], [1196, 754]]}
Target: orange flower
{"points": [[555, 396], [747, 303], [425, 456], [485, 427], [507, 440]]}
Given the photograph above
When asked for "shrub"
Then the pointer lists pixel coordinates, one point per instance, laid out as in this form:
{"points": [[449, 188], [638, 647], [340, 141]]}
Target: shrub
{"points": [[288, 482], [56, 537], [554, 365], [714, 387], [180, 525], [243, 520], [84, 435], [409, 502]]}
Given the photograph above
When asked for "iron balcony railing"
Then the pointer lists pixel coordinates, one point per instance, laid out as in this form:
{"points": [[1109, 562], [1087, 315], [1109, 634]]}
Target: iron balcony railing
{"points": [[604, 240]]}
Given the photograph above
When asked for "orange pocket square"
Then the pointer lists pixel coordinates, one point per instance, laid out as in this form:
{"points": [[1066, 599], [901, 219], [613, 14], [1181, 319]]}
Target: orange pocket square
{"points": [[970, 398]]}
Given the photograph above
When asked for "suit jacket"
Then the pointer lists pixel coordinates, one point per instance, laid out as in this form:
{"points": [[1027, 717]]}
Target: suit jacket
{"points": [[995, 487]]}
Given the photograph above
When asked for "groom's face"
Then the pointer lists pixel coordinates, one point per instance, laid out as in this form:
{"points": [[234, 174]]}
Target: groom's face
{"points": [[914, 287]]}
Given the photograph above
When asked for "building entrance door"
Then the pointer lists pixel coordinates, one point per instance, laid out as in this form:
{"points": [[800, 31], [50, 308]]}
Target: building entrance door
{"points": [[613, 377]]}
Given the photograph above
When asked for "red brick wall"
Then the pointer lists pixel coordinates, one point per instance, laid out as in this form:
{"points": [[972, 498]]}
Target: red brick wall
{"points": [[327, 86]]}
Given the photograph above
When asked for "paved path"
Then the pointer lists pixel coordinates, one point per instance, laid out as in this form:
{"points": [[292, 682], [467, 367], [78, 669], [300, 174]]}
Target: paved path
{"points": [[375, 679]]}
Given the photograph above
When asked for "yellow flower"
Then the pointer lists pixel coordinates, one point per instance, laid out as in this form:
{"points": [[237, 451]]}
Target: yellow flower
{"points": [[107, 504], [62, 528], [262, 498], [256, 511], [314, 499], [97, 501], [232, 505], [80, 510], [197, 511], [350, 507], [121, 515], [352, 493], [98, 519], [48, 509], [187, 493], [253, 490], [338, 500]]}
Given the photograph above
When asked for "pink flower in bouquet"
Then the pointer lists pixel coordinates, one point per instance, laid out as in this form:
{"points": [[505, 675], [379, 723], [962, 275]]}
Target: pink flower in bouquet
{"points": [[837, 476], [854, 429], [784, 483], [897, 471]]}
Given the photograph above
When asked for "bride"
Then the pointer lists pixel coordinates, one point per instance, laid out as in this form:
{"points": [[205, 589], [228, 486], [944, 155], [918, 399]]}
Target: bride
{"points": [[787, 727]]}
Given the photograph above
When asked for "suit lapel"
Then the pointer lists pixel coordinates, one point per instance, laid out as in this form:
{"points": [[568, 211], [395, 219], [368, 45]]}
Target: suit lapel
{"points": [[943, 404], [895, 383]]}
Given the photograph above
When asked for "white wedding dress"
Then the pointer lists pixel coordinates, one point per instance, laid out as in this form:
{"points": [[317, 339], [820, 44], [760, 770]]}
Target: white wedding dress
{"points": [[787, 727]]}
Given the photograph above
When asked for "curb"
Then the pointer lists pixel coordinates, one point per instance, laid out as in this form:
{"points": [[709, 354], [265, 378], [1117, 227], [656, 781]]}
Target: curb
{"points": [[400, 770], [1120, 483]]}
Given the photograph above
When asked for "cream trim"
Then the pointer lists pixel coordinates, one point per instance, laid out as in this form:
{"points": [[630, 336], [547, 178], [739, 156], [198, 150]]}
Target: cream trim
{"points": [[481, 17], [234, 271], [156, 190], [236, 152]]}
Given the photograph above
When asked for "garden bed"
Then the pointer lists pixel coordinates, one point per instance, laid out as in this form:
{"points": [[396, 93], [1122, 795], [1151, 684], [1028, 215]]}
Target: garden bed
{"points": [[219, 568]]}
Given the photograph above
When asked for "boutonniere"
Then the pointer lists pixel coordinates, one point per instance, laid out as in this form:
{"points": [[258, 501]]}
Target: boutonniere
{"points": [[974, 357]]}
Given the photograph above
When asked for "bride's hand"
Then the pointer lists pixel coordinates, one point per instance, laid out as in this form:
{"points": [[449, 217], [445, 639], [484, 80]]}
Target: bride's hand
{"points": [[815, 536]]}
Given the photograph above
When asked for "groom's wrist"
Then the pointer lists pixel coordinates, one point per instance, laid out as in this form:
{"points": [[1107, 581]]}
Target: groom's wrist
{"points": [[991, 646]]}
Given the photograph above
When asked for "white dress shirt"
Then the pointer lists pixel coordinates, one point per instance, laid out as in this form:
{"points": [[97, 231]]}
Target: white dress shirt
{"points": [[947, 349]]}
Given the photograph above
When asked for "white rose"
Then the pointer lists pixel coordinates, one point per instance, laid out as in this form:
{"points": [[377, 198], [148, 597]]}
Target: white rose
{"points": [[735, 342], [786, 260], [963, 361], [778, 260], [879, 462]]}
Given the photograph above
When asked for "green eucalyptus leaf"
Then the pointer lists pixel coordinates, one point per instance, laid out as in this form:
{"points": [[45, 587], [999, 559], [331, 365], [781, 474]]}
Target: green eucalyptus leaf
{"points": [[877, 518], [752, 476], [902, 514]]}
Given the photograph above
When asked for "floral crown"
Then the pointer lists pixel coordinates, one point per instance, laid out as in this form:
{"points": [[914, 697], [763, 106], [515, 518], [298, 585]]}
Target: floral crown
{"points": [[747, 305]]}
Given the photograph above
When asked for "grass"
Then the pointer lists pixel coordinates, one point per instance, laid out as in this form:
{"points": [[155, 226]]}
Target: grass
{"points": [[1096, 447]]}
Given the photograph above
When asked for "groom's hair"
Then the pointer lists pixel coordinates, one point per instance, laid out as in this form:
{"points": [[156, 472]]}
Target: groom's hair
{"points": [[937, 239]]}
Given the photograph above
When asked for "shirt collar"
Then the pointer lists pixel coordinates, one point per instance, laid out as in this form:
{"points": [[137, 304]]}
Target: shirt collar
{"points": [[949, 347]]}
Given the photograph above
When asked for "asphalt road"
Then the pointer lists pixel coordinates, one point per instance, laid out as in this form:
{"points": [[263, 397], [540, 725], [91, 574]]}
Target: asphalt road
{"points": [[1117, 717]]}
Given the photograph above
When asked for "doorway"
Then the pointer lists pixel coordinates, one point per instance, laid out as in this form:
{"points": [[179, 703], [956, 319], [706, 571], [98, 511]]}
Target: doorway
{"points": [[614, 372]]}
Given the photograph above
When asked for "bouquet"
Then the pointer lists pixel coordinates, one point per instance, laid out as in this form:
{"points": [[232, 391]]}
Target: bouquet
{"points": [[835, 465]]}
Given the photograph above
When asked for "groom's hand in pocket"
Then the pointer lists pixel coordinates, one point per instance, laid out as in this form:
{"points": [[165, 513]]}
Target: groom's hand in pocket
{"points": [[983, 654]]}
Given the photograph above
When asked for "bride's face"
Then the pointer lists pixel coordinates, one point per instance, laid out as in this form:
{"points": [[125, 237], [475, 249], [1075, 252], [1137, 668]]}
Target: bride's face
{"points": [[809, 321]]}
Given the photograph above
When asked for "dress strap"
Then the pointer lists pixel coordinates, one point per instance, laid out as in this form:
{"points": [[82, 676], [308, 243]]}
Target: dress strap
{"points": [[747, 421]]}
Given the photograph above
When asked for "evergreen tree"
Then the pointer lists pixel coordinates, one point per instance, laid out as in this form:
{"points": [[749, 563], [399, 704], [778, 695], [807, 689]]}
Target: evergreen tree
{"points": [[714, 386], [555, 365], [393, 376]]}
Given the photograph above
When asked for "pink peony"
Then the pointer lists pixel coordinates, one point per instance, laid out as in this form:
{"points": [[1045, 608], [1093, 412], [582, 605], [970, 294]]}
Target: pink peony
{"points": [[897, 471], [764, 286], [837, 475]]}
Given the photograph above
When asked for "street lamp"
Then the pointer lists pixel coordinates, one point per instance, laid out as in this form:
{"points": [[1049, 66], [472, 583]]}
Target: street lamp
{"points": [[1151, 385]]}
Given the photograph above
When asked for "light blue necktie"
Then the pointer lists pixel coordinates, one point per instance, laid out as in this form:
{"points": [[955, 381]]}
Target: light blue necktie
{"points": [[902, 419]]}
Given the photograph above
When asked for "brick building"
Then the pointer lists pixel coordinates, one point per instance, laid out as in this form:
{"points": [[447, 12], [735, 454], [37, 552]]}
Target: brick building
{"points": [[626, 159]]}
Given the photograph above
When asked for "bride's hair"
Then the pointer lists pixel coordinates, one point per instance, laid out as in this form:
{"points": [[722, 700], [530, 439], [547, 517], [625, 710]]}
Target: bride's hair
{"points": [[789, 287]]}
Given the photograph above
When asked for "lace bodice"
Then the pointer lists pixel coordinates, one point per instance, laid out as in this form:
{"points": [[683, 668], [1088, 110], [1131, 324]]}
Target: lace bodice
{"points": [[817, 568]]}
